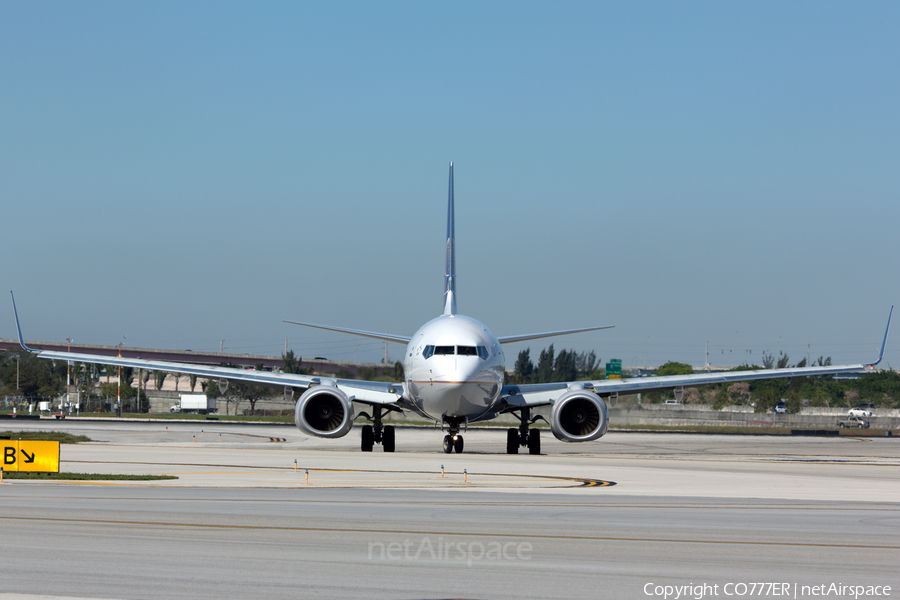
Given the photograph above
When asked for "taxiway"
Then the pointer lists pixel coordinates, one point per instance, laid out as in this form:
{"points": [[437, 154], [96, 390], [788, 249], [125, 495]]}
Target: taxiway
{"points": [[580, 521]]}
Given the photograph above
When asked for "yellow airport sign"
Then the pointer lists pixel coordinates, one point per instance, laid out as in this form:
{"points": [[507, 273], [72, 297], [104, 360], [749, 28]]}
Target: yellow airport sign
{"points": [[29, 455]]}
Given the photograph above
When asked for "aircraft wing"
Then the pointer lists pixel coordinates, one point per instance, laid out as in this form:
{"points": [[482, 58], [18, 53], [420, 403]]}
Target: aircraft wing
{"points": [[368, 392], [539, 394]]}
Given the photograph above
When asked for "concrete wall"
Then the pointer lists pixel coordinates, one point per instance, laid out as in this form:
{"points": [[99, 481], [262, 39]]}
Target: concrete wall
{"points": [[685, 415]]}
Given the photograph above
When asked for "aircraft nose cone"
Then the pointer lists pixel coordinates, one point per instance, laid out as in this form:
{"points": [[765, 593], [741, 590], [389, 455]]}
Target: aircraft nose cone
{"points": [[466, 389]]}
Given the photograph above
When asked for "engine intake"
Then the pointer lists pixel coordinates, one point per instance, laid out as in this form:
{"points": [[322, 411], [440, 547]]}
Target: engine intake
{"points": [[324, 411], [579, 416]]}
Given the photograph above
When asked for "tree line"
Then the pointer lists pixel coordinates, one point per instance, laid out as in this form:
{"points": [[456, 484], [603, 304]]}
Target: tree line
{"points": [[568, 365], [881, 388]]}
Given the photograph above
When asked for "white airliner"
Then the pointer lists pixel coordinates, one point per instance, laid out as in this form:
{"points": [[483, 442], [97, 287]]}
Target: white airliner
{"points": [[454, 368]]}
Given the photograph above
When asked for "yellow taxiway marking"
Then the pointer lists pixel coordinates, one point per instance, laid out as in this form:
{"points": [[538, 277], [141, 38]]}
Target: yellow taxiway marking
{"points": [[529, 503], [583, 481], [447, 533]]}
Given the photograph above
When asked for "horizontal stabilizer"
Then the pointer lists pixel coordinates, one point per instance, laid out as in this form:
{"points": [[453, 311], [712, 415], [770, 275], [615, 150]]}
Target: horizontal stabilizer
{"points": [[536, 336], [385, 337]]}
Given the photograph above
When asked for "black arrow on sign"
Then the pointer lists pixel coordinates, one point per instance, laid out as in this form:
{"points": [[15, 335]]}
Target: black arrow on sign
{"points": [[28, 459]]}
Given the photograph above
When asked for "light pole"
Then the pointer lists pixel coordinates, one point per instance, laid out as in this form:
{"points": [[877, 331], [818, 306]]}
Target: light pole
{"points": [[137, 396], [119, 382], [68, 375]]}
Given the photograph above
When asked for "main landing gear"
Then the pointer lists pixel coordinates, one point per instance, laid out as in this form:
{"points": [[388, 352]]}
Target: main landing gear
{"points": [[523, 436], [453, 441], [377, 434]]}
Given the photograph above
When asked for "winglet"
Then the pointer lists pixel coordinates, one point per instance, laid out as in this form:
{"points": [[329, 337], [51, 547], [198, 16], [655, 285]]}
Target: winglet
{"points": [[886, 331], [18, 328], [450, 271]]}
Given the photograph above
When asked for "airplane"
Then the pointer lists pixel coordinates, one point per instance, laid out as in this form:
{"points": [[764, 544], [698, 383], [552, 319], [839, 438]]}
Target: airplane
{"points": [[453, 375]]}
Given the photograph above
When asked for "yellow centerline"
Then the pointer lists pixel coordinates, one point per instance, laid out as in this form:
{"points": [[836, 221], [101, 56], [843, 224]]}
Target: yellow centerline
{"points": [[448, 533]]}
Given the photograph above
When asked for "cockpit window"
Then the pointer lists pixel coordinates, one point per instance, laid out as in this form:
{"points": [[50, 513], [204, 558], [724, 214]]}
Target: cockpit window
{"points": [[480, 351]]}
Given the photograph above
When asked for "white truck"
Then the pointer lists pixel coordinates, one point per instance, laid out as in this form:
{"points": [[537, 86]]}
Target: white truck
{"points": [[198, 403]]}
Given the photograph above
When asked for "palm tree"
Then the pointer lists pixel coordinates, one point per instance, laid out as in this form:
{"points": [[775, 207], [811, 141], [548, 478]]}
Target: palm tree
{"points": [[158, 378]]}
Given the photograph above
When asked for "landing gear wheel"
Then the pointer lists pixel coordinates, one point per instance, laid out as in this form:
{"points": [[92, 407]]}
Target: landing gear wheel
{"points": [[841, 425], [387, 438], [458, 444], [512, 441], [534, 441], [368, 438], [448, 444]]}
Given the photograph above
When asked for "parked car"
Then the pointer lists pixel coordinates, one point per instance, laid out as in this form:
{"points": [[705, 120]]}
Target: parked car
{"points": [[780, 408], [853, 421], [862, 410]]}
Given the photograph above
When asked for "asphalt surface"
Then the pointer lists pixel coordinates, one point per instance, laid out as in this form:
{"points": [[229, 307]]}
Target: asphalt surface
{"points": [[596, 520]]}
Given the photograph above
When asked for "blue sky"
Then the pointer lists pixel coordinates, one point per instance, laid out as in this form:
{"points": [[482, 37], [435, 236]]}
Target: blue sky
{"points": [[188, 172]]}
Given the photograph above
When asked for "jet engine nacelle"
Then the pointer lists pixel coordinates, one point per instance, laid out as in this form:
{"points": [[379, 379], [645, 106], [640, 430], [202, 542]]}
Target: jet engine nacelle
{"points": [[324, 411], [579, 416]]}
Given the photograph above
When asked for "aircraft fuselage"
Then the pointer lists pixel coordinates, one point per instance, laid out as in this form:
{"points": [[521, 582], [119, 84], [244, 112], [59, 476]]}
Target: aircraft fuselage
{"points": [[454, 369]]}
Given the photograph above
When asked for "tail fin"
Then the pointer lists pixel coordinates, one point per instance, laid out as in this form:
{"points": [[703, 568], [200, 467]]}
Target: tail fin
{"points": [[450, 270]]}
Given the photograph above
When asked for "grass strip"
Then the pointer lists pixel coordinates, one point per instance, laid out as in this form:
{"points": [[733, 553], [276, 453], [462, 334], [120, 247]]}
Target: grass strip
{"points": [[748, 430], [705, 429], [192, 417], [85, 476], [44, 436]]}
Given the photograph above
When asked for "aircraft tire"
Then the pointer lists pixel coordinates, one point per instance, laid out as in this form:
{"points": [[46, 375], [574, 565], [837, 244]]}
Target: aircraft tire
{"points": [[387, 438], [368, 438], [534, 441], [448, 444], [458, 444], [512, 441]]}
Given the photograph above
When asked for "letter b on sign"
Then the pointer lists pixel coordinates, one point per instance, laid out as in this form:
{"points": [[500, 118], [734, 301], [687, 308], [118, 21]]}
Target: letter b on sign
{"points": [[9, 455]]}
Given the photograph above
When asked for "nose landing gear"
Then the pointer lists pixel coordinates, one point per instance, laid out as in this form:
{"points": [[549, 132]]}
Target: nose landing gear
{"points": [[453, 441]]}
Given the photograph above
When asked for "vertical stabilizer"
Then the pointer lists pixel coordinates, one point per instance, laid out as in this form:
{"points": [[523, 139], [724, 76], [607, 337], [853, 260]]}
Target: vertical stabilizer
{"points": [[450, 269]]}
